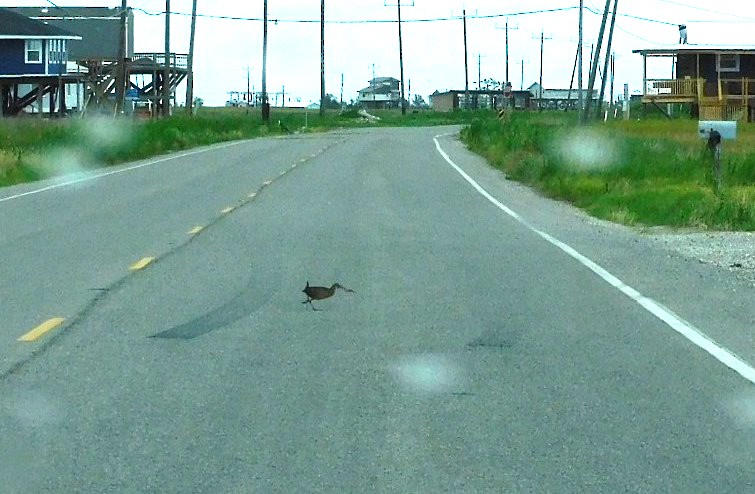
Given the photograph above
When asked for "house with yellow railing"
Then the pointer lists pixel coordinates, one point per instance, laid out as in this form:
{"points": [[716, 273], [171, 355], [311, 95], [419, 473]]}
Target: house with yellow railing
{"points": [[717, 81]]}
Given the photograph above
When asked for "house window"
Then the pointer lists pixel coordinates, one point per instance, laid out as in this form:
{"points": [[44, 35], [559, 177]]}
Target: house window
{"points": [[33, 51], [727, 62]]}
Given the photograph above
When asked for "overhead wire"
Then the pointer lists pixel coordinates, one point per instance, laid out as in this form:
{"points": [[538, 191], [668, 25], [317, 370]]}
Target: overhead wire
{"points": [[592, 10], [703, 9], [363, 21]]}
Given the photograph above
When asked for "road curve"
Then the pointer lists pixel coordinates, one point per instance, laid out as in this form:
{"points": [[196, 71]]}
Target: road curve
{"points": [[474, 355]]}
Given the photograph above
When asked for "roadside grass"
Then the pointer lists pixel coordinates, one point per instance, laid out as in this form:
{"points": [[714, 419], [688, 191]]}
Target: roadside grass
{"points": [[644, 173], [33, 149]]}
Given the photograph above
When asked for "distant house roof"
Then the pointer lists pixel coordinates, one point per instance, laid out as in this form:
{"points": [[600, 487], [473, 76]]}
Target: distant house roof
{"points": [[689, 48], [16, 26], [98, 27], [377, 90], [383, 80]]}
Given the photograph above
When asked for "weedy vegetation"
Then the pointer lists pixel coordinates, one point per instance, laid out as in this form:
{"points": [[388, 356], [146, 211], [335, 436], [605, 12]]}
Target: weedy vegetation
{"points": [[33, 149], [644, 173]]}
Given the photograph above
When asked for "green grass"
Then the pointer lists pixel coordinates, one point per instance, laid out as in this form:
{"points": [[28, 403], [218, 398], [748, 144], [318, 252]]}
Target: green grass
{"points": [[32, 149], [651, 172]]}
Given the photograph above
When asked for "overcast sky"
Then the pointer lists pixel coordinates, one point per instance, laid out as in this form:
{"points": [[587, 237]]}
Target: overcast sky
{"points": [[433, 49]]}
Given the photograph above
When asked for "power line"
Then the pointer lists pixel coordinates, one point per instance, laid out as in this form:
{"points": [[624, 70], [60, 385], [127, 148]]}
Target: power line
{"points": [[703, 9], [361, 21], [53, 4]]}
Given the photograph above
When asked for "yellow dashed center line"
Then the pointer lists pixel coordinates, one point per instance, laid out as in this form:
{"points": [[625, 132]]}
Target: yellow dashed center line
{"points": [[43, 328], [141, 264], [195, 230]]}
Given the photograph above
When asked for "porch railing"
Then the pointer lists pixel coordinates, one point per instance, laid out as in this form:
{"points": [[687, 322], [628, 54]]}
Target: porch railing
{"points": [[177, 60], [673, 87]]}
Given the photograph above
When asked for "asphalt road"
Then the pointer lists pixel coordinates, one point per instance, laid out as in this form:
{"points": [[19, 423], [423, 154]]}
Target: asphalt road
{"points": [[474, 356]]}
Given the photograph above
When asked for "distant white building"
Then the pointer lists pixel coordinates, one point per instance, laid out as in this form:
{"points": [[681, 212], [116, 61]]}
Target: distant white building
{"points": [[556, 99], [383, 92]]}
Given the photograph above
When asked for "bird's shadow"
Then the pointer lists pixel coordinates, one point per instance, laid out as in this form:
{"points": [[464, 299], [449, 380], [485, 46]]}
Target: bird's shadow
{"points": [[242, 305]]}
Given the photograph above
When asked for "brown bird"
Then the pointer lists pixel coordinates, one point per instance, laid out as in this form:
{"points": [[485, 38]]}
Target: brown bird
{"points": [[321, 292]]}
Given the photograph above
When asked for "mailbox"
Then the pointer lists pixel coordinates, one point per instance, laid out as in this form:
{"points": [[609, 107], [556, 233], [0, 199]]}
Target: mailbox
{"points": [[727, 129]]}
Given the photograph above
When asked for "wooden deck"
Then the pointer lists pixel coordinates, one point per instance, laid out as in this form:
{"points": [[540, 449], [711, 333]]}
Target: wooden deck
{"points": [[723, 99]]}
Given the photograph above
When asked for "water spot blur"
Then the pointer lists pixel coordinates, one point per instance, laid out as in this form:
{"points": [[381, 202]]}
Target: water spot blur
{"points": [[105, 133], [33, 409], [68, 162], [427, 373], [737, 450], [588, 150], [742, 409]]}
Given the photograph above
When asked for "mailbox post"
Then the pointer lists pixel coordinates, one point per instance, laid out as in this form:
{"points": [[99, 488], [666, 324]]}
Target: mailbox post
{"points": [[715, 132]]}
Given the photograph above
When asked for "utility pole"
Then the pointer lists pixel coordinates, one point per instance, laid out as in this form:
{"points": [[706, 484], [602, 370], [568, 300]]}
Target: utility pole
{"points": [[466, 63], [606, 66], [542, 42], [507, 28], [479, 71], [166, 68], [594, 68], [265, 102], [580, 97], [507, 50], [190, 61], [121, 86], [507, 80], [571, 81], [401, 60], [613, 73], [521, 86], [248, 88], [322, 58], [341, 90]]}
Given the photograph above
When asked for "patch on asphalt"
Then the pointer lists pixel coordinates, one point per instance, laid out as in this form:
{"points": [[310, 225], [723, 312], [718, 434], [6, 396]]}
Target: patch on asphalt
{"points": [[492, 339]]}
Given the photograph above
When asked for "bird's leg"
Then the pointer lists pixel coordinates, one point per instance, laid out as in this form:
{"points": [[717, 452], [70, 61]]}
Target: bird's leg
{"points": [[309, 301]]}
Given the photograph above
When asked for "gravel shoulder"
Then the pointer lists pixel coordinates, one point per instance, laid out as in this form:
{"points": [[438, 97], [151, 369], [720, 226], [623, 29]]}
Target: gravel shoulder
{"points": [[730, 251]]}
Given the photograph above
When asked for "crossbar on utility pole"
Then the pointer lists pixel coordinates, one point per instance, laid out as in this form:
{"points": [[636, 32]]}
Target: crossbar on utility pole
{"points": [[508, 28]]}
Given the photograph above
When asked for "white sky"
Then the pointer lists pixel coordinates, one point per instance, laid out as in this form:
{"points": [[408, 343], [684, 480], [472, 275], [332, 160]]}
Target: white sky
{"points": [[433, 51]]}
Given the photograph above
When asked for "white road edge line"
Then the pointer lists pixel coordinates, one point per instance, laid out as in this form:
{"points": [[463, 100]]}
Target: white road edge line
{"points": [[122, 170], [675, 322]]}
